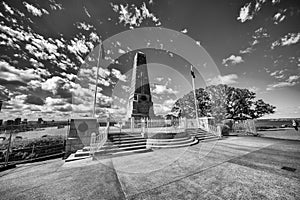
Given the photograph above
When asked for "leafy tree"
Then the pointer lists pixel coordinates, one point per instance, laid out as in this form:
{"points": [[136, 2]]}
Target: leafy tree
{"points": [[261, 108], [187, 104], [224, 102], [218, 97], [239, 103]]}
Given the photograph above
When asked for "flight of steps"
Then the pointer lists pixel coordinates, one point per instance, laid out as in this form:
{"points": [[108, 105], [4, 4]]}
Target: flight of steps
{"points": [[172, 143], [117, 144], [201, 135]]}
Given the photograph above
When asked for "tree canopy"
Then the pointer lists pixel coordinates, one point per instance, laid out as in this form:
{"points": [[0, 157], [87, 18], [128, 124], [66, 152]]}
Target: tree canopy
{"points": [[224, 102]]}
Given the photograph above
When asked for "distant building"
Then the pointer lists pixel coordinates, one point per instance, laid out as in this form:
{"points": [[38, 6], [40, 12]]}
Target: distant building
{"points": [[9, 122], [18, 121], [40, 120]]}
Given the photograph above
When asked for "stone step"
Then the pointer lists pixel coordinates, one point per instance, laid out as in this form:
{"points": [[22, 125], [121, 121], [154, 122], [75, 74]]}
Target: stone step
{"points": [[81, 153], [117, 149], [174, 139], [126, 141], [110, 145], [121, 153], [208, 138], [176, 145], [171, 142], [124, 138], [115, 145], [73, 158]]}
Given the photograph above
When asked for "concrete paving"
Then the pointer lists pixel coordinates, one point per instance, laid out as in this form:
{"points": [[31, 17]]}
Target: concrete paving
{"points": [[232, 168]]}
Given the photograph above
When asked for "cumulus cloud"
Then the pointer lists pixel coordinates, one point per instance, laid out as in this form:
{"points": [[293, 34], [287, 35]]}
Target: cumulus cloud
{"points": [[226, 79], [289, 39], [184, 31], [33, 99], [119, 75], [78, 47], [55, 101], [160, 109], [233, 60], [279, 17], [55, 6], [293, 78], [245, 13], [275, 2], [159, 79], [8, 8], [84, 26], [248, 11], [11, 74], [134, 16], [34, 10], [163, 89]]}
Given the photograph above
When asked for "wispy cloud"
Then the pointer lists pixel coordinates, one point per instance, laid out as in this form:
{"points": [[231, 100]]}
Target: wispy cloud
{"points": [[226, 79], [278, 74], [291, 81]]}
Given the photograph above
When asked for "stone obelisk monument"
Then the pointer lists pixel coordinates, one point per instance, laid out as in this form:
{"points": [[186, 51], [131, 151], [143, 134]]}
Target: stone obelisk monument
{"points": [[140, 103]]}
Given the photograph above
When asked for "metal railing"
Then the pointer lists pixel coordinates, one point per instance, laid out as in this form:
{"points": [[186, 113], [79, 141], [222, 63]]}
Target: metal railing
{"points": [[215, 130], [97, 141], [246, 127], [30, 150]]}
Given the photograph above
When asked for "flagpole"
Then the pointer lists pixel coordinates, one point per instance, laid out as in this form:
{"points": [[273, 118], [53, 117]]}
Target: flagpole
{"points": [[97, 75], [195, 99]]}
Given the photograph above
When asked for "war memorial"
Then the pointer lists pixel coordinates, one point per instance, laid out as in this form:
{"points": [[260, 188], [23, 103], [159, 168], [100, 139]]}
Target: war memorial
{"points": [[140, 131]]}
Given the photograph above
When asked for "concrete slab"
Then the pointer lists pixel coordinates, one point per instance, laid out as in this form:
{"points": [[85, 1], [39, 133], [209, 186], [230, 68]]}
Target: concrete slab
{"points": [[60, 180], [233, 168]]}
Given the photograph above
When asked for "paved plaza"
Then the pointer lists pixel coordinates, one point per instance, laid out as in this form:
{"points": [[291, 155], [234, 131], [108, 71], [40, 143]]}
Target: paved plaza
{"points": [[231, 168]]}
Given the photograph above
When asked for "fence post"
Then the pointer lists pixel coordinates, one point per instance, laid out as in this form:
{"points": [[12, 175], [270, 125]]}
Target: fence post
{"points": [[219, 130], [185, 123], [132, 124], [93, 144], [144, 134]]}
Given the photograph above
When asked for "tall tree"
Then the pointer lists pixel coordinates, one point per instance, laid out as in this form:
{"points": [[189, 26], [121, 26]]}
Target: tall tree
{"points": [[261, 108], [224, 102], [186, 103], [239, 103], [218, 96]]}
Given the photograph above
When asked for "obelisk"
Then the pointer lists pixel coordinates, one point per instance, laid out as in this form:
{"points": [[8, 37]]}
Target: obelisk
{"points": [[140, 103]]}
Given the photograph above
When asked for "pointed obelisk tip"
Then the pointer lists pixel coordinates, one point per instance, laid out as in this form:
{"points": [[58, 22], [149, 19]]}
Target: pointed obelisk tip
{"points": [[140, 58]]}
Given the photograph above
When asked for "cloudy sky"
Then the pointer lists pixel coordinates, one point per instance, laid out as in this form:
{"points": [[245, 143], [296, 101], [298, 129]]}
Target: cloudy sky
{"points": [[50, 50]]}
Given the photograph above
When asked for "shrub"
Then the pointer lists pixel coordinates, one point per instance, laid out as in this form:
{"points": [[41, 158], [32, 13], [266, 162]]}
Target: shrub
{"points": [[229, 123], [225, 129]]}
